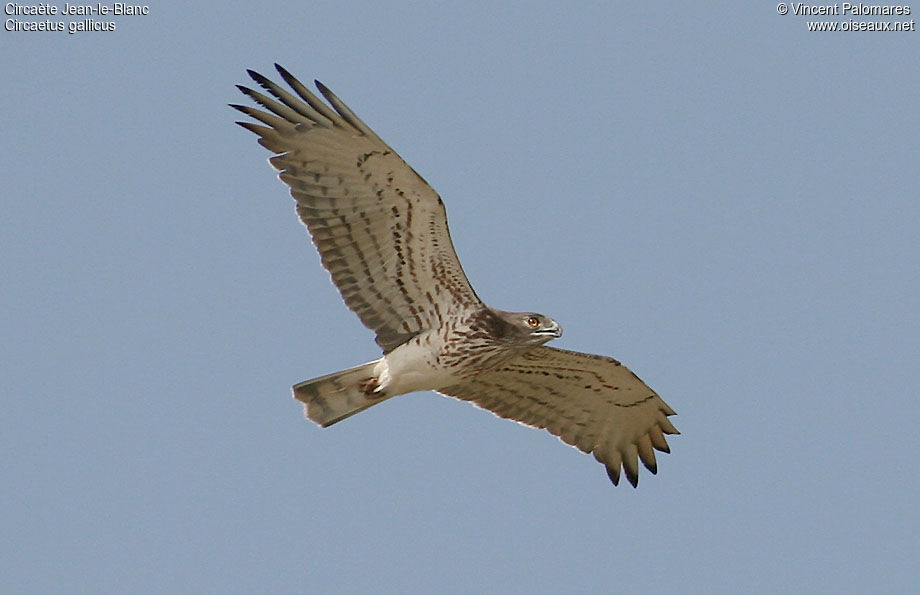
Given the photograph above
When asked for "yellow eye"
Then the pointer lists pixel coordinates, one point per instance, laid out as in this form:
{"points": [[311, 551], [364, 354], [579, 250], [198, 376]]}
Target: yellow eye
{"points": [[533, 321]]}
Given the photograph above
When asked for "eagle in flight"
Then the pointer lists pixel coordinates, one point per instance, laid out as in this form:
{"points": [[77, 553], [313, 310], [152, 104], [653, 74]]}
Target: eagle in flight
{"points": [[381, 232]]}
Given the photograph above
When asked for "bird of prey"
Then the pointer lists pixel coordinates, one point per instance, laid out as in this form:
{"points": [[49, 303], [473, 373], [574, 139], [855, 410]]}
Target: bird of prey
{"points": [[381, 232]]}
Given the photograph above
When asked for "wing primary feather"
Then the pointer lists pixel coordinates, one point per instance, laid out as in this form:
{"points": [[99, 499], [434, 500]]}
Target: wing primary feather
{"points": [[614, 474], [647, 453], [667, 427], [278, 109], [631, 464], [275, 122], [289, 100], [667, 409], [345, 112], [260, 130], [307, 96], [657, 438]]}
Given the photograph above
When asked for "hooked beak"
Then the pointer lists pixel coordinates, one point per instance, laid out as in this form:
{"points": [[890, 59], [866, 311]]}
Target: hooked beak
{"points": [[554, 330]]}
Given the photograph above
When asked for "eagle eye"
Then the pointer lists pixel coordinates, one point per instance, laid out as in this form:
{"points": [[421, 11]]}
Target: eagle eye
{"points": [[533, 321]]}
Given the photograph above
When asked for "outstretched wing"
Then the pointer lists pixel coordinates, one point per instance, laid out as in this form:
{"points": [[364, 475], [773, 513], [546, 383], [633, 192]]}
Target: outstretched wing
{"points": [[590, 401], [380, 229]]}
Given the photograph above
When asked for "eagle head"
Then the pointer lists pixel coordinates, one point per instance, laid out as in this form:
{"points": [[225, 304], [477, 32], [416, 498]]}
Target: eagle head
{"points": [[517, 328], [539, 328]]}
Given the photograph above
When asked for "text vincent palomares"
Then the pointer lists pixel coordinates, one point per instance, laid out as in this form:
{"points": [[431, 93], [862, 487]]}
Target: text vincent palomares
{"points": [[801, 9]]}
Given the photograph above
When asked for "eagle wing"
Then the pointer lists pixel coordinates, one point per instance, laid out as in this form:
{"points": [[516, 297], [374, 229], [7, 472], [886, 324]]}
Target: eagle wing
{"points": [[380, 229], [590, 401]]}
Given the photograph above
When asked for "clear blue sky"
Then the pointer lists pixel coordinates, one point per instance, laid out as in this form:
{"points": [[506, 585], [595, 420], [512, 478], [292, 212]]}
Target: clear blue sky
{"points": [[715, 196]]}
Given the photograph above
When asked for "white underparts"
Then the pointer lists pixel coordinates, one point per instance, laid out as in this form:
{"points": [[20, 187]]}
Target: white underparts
{"points": [[411, 367]]}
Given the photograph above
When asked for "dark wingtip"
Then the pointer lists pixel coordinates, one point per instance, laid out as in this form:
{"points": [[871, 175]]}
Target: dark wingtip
{"points": [[254, 128], [614, 475], [283, 72], [322, 88], [262, 80], [633, 478]]}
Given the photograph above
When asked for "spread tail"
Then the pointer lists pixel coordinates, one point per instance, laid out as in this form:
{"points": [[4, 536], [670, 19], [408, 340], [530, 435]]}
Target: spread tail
{"points": [[334, 397]]}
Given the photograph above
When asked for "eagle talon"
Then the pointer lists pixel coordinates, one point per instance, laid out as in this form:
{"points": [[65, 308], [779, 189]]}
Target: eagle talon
{"points": [[369, 388]]}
